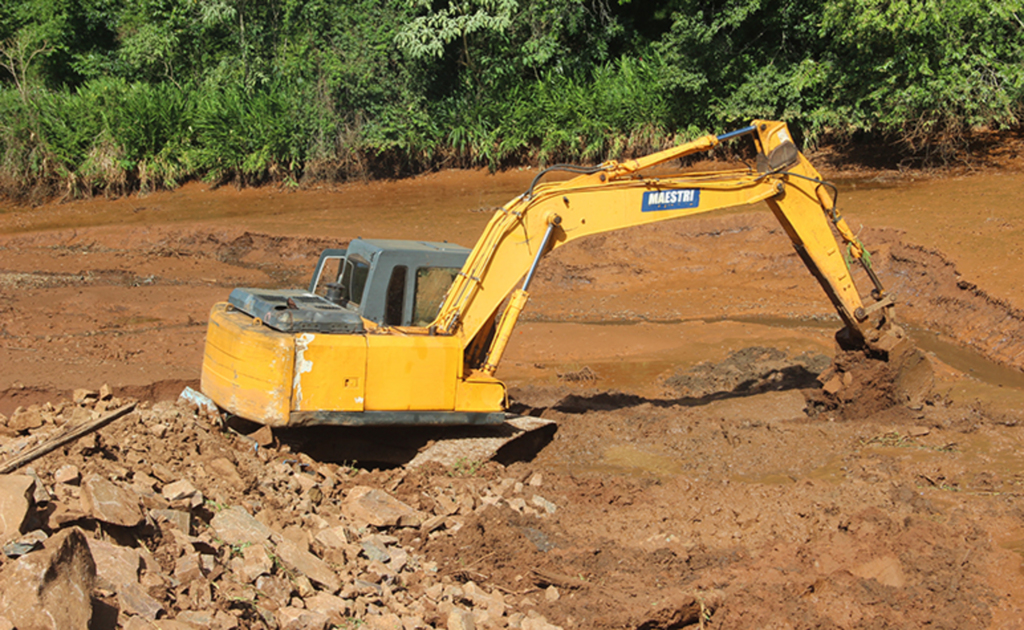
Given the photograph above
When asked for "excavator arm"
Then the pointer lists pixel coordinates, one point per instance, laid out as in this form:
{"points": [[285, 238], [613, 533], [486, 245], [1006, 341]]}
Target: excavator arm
{"points": [[617, 195]]}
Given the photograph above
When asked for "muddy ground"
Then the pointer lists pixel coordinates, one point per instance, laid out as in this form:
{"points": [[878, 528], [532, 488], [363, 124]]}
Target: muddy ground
{"points": [[690, 482]]}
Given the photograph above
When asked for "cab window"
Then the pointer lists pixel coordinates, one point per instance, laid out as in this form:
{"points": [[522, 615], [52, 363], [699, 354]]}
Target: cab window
{"points": [[431, 286], [394, 306], [353, 279], [331, 273]]}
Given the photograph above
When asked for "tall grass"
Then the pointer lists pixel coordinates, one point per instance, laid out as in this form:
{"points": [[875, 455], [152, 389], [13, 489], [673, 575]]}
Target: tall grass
{"points": [[331, 112]]}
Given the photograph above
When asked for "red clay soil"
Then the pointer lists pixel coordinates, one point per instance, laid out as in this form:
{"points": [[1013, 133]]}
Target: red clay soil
{"points": [[694, 481]]}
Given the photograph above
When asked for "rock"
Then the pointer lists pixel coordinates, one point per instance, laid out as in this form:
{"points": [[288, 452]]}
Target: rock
{"points": [[459, 619], [445, 506], [433, 523], [361, 587], [254, 562], [179, 490], [306, 482], [108, 502], [163, 473], [264, 436], [275, 589], [181, 520], [387, 621], [65, 514], [538, 623], [68, 473], [200, 594], [25, 419], [197, 618], [541, 502], [235, 527], [294, 558], [833, 385], [222, 468], [51, 588], [80, 396], [332, 538], [376, 507], [15, 493], [27, 543], [134, 599], [399, 558], [115, 565], [335, 608], [40, 495], [375, 550], [291, 618], [551, 594], [105, 392], [186, 568]]}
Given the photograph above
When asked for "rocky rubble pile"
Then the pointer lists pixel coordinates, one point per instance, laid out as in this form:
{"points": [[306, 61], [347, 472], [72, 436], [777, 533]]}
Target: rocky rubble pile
{"points": [[168, 519]]}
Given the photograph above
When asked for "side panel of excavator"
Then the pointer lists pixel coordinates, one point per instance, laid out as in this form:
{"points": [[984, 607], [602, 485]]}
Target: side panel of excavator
{"points": [[281, 379], [330, 372], [412, 373]]}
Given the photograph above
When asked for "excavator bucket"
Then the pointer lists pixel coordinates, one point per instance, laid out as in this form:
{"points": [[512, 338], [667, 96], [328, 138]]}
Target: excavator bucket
{"points": [[877, 373]]}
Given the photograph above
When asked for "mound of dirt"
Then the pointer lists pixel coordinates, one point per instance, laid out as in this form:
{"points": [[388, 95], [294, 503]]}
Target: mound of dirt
{"points": [[189, 521]]}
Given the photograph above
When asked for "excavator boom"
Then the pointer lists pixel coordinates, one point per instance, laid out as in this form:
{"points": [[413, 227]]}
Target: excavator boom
{"points": [[618, 195]]}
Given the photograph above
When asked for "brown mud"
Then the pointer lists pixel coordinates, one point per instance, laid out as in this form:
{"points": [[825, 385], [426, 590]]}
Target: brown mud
{"points": [[694, 481]]}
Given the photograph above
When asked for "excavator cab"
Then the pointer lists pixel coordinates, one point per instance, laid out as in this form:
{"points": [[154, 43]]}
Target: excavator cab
{"points": [[323, 355], [377, 283]]}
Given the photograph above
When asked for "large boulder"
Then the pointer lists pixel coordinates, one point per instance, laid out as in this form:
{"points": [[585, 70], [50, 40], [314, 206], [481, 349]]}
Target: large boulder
{"points": [[50, 589]]}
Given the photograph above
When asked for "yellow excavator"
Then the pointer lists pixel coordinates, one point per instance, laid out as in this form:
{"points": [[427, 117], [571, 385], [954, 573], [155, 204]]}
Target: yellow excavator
{"points": [[411, 333]]}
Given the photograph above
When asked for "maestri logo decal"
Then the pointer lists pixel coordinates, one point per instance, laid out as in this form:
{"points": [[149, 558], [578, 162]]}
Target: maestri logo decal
{"points": [[671, 199]]}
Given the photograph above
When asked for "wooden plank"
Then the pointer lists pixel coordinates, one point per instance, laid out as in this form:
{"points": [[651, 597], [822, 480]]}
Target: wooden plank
{"points": [[67, 437]]}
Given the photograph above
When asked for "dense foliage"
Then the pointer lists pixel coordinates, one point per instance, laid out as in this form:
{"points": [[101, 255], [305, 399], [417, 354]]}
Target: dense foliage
{"points": [[112, 95]]}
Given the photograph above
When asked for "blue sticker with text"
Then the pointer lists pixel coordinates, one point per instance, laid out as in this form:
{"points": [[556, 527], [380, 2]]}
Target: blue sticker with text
{"points": [[671, 199]]}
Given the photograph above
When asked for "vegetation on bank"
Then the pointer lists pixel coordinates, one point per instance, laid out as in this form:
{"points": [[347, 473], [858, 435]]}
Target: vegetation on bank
{"points": [[115, 95]]}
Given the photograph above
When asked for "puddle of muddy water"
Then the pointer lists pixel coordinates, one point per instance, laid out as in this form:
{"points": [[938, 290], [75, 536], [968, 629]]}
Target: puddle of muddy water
{"points": [[966, 360], [833, 472], [626, 458], [644, 370]]}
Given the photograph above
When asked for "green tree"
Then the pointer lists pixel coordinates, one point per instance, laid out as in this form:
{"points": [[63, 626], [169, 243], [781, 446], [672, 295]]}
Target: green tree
{"points": [[925, 69]]}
